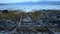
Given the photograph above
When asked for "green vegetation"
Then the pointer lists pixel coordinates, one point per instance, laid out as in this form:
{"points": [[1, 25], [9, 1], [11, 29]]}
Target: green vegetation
{"points": [[35, 15]]}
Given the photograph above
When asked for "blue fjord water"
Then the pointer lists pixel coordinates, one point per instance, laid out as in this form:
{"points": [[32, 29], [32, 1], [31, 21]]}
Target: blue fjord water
{"points": [[29, 7]]}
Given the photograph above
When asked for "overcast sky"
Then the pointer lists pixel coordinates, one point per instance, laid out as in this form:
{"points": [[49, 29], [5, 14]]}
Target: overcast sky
{"points": [[15, 1]]}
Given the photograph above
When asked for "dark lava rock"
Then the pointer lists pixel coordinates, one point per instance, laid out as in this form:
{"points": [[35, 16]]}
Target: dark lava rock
{"points": [[7, 25], [5, 11]]}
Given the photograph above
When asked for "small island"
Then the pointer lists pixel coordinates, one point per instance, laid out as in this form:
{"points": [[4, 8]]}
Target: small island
{"points": [[2, 4]]}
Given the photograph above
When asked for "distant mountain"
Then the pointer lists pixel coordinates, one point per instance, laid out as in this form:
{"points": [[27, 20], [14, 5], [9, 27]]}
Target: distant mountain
{"points": [[49, 3], [2, 4], [38, 3]]}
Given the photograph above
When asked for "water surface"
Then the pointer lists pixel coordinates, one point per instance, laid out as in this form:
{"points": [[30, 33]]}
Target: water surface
{"points": [[29, 7]]}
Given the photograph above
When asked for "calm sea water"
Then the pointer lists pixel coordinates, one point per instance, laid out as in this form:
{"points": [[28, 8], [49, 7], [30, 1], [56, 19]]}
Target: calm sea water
{"points": [[29, 7]]}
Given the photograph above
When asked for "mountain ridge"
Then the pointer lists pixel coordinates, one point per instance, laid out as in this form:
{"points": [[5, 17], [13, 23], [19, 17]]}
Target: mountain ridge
{"points": [[37, 3]]}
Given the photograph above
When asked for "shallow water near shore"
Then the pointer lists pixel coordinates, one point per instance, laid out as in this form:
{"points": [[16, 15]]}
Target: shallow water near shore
{"points": [[29, 7]]}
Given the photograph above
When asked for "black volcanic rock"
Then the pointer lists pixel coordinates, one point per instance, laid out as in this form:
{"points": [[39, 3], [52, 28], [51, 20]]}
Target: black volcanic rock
{"points": [[5, 11], [7, 25]]}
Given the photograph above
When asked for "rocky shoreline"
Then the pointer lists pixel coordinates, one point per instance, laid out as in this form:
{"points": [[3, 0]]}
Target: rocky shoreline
{"points": [[19, 22]]}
